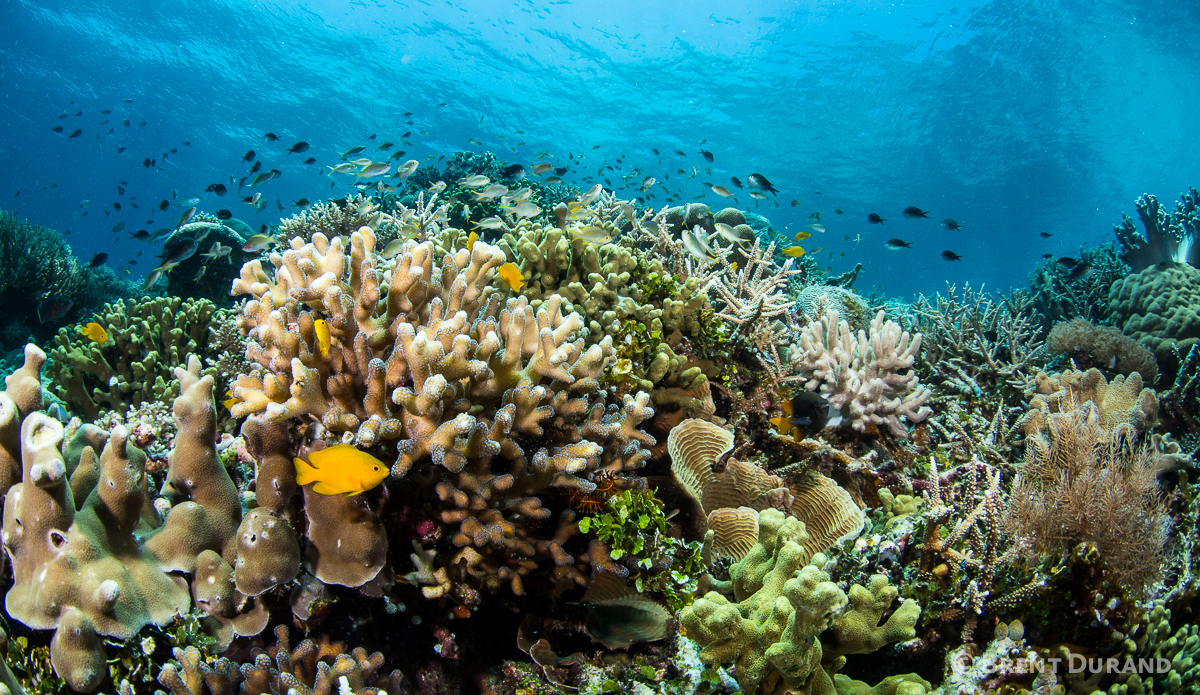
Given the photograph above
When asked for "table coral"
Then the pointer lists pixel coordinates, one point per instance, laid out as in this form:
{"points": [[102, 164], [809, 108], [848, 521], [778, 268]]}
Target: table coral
{"points": [[780, 607], [104, 565], [147, 339], [867, 377]]}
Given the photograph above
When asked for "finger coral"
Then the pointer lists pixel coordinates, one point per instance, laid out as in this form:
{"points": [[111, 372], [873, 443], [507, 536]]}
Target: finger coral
{"points": [[105, 564], [503, 400], [868, 376], [781, 605]]}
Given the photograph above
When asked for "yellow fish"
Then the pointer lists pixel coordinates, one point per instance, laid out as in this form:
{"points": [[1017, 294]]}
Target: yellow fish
{"points": [[95, 332], [801, 236], [511, 275], [340, 470], [322, 331], [793, 251], [232, 400], [471, 241]]}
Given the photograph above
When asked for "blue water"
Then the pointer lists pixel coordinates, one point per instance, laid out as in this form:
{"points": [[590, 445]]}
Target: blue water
{"points": [[1013, 118]]}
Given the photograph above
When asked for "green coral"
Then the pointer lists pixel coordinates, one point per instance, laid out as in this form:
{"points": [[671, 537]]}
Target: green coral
{"points": [[147, 339], [781, 606], [635, 529]]}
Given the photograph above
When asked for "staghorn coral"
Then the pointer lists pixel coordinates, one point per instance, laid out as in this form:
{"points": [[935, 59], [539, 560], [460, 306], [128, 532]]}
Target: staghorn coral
{"points": [[147, 339], [1059, 293], [1104, 347], [780, 607], [105, 565], [983, 347], [502, 400], [867, 377], [333, 219], [1082, 483], [1168, 236], [1160, 308]]}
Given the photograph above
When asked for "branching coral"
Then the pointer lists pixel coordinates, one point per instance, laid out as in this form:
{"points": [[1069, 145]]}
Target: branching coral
{"points": [[147, 339], [867, 377], [1062, 292], [503, 399], [980, 346], [781, 605]]}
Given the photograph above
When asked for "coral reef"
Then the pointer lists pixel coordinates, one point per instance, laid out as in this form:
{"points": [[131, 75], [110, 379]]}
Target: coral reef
{"points": [[38, 265], [204, 274], [788, 627], [1124, 409], [868, 377], [91, 556], [1104, 347], [1160, 308], [1061, 291], [147, 339], [1168, 236], [473, 383]]}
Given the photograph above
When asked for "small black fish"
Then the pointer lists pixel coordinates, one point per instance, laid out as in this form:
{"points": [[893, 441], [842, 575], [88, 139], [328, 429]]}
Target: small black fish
{"points": [[218, 188], [560, 171], [78, 113], [514, 172], [837, 211], [1045, 235], [1066, 262], [311, 160], [224, 214], [98, 260], [187, 143], [708, 156], [303, 203], [808, 411], [117, 207], [77, 133], [1081, 272], [105, 112], [897, 244], [951, 225], [140, 235], [759, 181], [147, 162], [372, 136], [256, 167], [734, 181], [57, 129], [950, 256], [248, 156], [180, 251], [164, 205], [1047, 255], [173, 150], [126, 122], [120, 190], [298, 148], [991, 335], [913, 212], [120, 149], [53, 308], [271, 137], [875, 219]]}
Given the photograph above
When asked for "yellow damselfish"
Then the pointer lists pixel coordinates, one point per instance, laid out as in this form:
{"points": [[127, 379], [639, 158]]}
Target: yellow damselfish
{"points": [[94, 332], [793, 251], [343, 469], [322, 331], [511, 275], [471, 241]]}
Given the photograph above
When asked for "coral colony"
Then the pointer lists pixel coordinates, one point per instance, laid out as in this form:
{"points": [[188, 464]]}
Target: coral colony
{"points": [[563, 442]]}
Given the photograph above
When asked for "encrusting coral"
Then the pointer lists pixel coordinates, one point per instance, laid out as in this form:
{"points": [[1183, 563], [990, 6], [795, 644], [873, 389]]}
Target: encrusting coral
{"points": [[782, 607], [91, 556], [868, 377], [459, 378], [147, 339]]}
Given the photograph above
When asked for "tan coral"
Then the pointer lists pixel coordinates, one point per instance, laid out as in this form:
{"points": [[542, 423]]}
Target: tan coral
{"points": [[868, 377], [1124, 407], [727, 499]]}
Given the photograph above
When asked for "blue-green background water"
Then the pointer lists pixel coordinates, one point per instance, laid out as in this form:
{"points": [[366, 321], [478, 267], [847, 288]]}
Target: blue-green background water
{"points": [[1013, 118]]}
